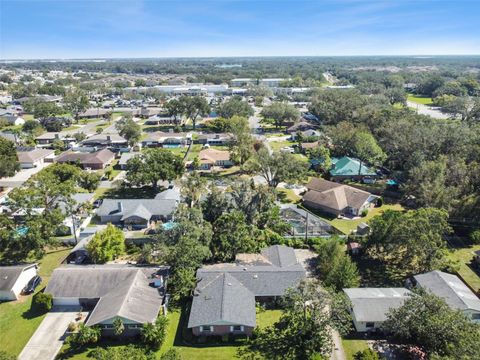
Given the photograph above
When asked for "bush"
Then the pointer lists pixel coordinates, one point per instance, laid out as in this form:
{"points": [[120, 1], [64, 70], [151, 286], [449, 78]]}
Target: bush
{"points": [[43, 301], [364, 213], [72, 327], [85, 335], [475, 236], [367, 354], [171, 354], [154, 334], [379, 202]]}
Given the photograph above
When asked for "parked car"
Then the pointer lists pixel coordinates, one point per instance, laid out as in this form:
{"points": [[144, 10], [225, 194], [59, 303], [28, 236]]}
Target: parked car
{"points": [[32, 285]]}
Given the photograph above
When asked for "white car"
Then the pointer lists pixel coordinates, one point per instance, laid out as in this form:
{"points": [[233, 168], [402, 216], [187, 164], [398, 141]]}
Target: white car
{"points": [[287, 149]]}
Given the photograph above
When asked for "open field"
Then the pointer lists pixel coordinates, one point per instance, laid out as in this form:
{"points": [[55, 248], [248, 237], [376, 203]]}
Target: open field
{"points": [[419, 99], [17, 320]]}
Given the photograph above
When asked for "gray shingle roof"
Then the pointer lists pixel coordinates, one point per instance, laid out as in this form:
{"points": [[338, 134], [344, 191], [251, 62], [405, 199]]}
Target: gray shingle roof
{"points": [[449, 287], [10, 274], [373, 304], [220, 299], [123, 290], [155, 207], [235, 303]]}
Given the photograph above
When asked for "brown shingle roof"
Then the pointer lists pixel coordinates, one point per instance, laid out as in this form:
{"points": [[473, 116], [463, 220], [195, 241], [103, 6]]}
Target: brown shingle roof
{"points": [[335, 196], [33, 155], [99, 157], [213, 155]]}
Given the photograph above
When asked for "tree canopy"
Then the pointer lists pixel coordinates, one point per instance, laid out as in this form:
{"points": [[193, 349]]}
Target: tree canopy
{"points": [[106, 245], [234, 106], [8, 158]]}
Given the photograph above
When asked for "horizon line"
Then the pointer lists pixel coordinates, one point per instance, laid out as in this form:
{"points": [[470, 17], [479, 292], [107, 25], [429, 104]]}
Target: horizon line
{"points": [[231, 57]]}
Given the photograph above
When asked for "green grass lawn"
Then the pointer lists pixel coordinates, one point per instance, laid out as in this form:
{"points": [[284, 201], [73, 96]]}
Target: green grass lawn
{"points": [[352, 346], [464, 257], [17, 321], [288, 196], [277, 145], [347, 226], [72, 127], [419, 99], [188, 351]]}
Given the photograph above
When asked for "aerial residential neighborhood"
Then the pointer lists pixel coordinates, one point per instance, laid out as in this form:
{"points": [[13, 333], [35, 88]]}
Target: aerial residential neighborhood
{"points": [[189, 180]]}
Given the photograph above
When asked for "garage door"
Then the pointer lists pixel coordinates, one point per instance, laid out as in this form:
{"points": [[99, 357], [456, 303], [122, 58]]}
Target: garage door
{"points": [[66, 302]]}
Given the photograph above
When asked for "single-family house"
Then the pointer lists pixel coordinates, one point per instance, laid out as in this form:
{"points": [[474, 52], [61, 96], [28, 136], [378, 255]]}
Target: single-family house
{"points": [[48, 138], [301, 126], [136, 213], [337, 199], [96, 161], [225, 295], [306, 146], [167, 139], [103, 141], [163, 120], [450, 288], [122, 163], [10, 136], [310, 133], [13, 119], [135, 294], [14, 278], [213, 139], [34, 157], [213, 157], [147, 112], [350, 168], [370, 306], [94, 113]]}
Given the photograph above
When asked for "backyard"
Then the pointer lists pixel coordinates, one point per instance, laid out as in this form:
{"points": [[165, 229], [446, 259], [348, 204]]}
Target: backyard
{"points": [[346, 226], [17, 320], [352, 346], [464, 256]]}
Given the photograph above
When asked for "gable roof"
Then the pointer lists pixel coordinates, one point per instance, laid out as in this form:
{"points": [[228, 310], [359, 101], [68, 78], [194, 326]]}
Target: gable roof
{"points": [[122, 290], [450, 288], [347, 166], [223, 301], [105, 139], [10, 274], [99, 157], [334, 195], [273, 272], [33, 155], [137, 207], [373, 304]]}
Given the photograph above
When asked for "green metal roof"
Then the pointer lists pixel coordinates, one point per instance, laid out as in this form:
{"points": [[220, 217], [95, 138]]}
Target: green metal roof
{"points": [[347, 166]]}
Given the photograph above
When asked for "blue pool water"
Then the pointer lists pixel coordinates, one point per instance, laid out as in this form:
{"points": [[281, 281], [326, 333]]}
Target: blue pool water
{"points": [[168, 225], [22, 230], [171, 146]]}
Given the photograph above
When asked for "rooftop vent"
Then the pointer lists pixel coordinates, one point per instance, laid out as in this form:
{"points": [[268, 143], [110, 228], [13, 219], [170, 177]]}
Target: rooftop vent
{"points": [[255, 276]]}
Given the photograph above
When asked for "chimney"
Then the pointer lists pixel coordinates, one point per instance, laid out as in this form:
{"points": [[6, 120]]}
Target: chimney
{"points": [[108, 138], [217, 136], [57, 136], [120, 206]]}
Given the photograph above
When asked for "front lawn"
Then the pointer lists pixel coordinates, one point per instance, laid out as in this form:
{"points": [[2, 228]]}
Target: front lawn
{"points": [[18, 321], [277, 145], [346, 226], [419, 99], [188, 351], [464, 257]]}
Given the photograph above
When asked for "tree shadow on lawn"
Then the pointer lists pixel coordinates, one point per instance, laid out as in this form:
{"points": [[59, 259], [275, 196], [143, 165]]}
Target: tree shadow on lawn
{"points": [[373, 273], [145, 192]]}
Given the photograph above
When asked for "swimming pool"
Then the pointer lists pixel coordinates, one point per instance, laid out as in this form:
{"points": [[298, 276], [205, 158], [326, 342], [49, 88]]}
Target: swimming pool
{"points": [[168, 225]]}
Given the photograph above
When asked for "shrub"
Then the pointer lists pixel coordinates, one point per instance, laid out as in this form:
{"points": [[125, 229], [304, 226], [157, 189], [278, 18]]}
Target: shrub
{"points": [[85, 335], [379, 202], [367, 354], [171, 354], [72, 327], [154, 334], [475, 236], [364, 213], [43, 301]]}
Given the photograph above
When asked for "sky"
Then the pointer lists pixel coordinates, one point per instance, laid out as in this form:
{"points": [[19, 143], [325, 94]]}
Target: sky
{"points": [[66, 29]]}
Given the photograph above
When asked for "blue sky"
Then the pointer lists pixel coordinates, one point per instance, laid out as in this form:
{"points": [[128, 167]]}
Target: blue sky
{"points": [[158, 28]]}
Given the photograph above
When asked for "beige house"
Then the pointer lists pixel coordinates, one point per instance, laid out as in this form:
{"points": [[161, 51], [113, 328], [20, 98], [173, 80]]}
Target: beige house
{"points": [[32, 158], [212, 157], [337, 199]]}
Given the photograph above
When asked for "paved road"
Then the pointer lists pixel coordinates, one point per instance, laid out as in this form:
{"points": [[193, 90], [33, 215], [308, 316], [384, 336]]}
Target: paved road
{"points": [[427, 110], [48, 339]]}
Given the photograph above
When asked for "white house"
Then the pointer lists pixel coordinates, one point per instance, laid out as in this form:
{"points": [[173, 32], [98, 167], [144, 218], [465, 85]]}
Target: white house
{"points": [[14, 278], [14, 119], [31, 158], [371, 305], [450, 288]]}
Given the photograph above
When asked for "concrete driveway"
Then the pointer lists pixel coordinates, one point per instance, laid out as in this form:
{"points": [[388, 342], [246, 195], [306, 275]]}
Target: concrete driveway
{"points": [[48, 339]]}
